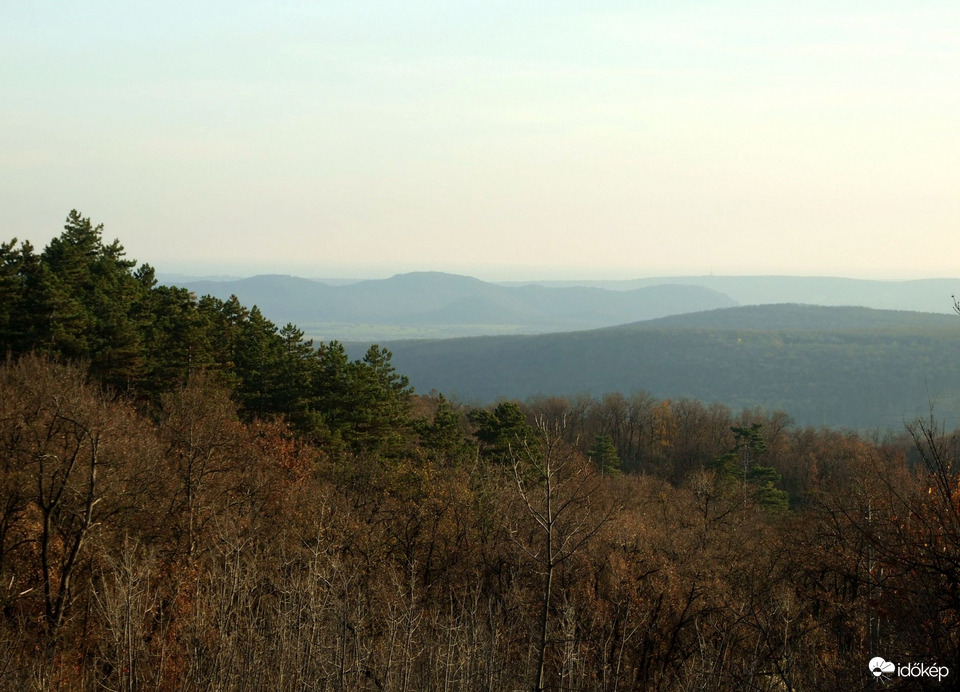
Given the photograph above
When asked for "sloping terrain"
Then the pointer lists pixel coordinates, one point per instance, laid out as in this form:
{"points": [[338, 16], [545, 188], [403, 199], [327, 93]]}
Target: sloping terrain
{"points": [[851, 367]]}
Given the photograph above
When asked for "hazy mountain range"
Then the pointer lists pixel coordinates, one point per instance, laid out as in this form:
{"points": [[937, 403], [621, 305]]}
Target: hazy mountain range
{"points": [[922, 295], [438, 305]]}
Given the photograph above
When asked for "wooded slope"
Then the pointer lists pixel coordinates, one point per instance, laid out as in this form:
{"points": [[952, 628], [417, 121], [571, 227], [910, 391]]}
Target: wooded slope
{"points": [[836, 366]]}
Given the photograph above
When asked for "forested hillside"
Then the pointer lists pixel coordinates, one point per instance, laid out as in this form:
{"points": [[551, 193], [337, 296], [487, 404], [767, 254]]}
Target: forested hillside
{"points": [[193, 499], [849, 367]]}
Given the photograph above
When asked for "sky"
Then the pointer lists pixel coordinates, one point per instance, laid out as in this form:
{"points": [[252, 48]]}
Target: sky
{"points": [[507, 140]]}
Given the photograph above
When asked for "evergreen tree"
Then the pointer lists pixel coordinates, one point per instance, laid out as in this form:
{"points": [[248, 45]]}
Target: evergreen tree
{"points": [[18, 274], [382, 402], [741, 465], [81, 299], [604, 455], [501, 430], [443, 437], [177, 335], [295, 374], [81, 293], [330, 406], [257, 354], [67, 280]]}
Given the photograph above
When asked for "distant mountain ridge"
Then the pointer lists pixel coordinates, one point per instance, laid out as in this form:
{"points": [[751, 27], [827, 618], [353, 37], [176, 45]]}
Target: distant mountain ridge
{"points": [[837, 366], [432, 299], [441, 305], [922, 295]]}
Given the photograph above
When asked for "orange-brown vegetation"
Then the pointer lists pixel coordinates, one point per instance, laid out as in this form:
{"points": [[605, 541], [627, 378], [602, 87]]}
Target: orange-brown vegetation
{"points": [[176, 545]]}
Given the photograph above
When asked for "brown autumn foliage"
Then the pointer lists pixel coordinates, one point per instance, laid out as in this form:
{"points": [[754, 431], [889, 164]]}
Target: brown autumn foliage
{"points": [[177, 547]]}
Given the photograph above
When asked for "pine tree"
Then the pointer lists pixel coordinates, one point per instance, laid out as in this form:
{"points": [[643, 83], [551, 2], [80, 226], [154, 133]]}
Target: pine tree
{"points": [[604, 455], [296, 371], [329, 406], [19, 268], [382, 402], [741, 465], [79, 297], [443, 437], [501, 430], [257, 354]]}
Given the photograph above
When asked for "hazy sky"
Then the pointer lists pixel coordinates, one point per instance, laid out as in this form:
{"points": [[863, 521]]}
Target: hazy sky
{"points": [[503, 139]]}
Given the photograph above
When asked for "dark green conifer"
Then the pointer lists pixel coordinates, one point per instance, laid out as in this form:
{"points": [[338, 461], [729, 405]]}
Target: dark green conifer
{"points": [[741, 465], [500, 430], [604, 455]]}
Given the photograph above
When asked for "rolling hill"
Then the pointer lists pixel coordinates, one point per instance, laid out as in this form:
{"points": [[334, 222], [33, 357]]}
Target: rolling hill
{"points": [[852, 367]]}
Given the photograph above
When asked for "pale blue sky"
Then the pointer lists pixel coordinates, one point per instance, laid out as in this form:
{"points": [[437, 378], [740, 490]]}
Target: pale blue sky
{"points": [[502, 139]]}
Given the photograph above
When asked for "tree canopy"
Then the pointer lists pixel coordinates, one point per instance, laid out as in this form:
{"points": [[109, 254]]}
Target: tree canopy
{"points": [[81, 299]]}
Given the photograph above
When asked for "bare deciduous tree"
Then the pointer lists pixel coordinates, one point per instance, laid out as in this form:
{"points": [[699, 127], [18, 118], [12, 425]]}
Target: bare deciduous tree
{"points": [[558, 492]]}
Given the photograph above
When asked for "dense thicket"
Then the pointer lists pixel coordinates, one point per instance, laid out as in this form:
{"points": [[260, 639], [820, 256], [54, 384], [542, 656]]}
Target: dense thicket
{"points": [[312, 525]]}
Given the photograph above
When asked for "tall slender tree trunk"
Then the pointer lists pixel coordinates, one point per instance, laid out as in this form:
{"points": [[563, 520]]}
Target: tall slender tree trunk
{"points": [[547, 581], [544, 620]]}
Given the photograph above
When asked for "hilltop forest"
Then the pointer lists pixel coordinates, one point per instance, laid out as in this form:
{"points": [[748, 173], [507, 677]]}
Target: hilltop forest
{"points": [[838, 366], [193, 498]]}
